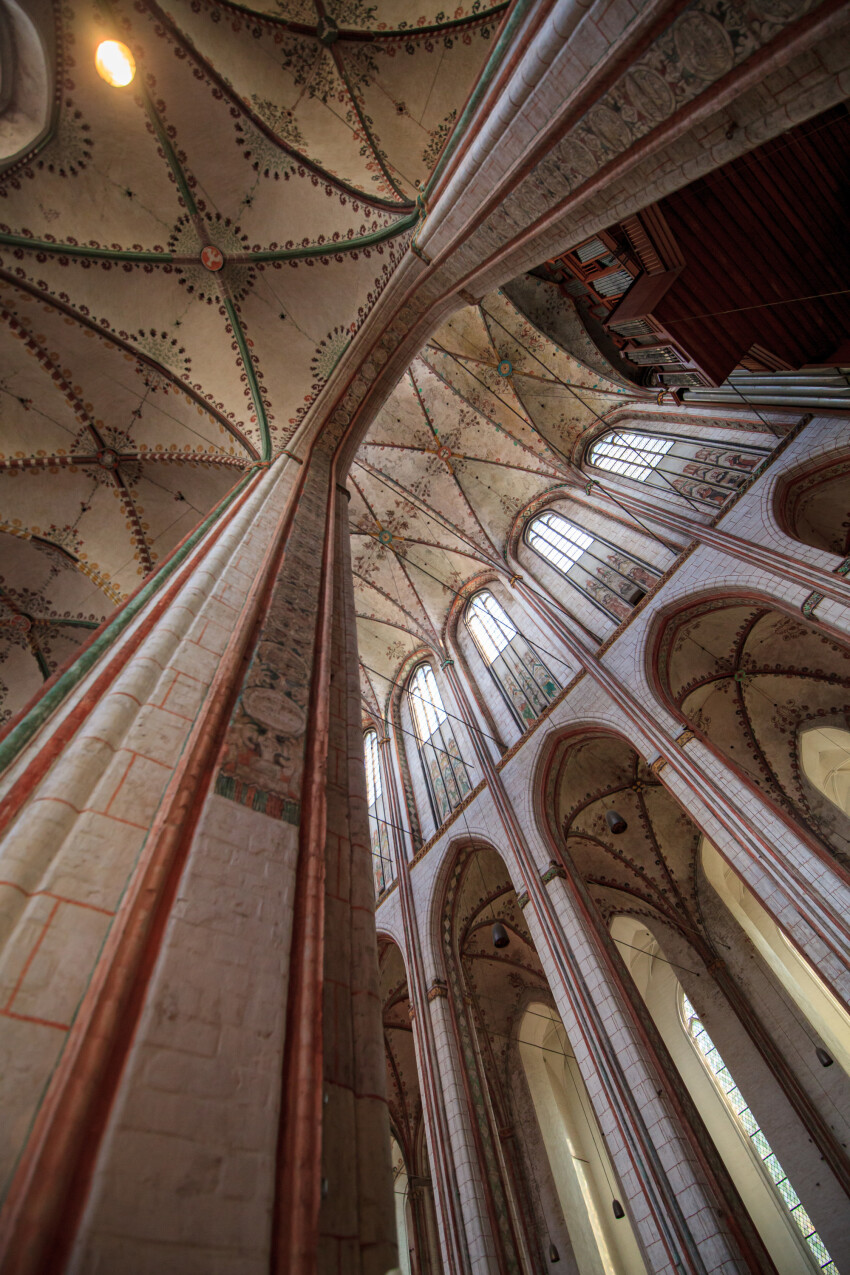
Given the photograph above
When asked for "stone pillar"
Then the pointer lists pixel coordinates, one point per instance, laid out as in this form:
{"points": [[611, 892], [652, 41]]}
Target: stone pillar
{"points": [[454, 1238], [204, 972], [677, 1198], [483, 1243]]}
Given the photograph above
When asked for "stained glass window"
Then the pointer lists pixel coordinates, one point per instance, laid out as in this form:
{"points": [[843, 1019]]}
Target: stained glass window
{"points": [[382, 863], [704, 472], [518, 670], [772, 1168], [445, 772], [613, 580]]}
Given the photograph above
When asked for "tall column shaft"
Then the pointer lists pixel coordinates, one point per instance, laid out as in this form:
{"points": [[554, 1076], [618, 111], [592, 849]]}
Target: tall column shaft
{"points": [[653, 1149], [817, 899], [449, 1207], [207, 797]]}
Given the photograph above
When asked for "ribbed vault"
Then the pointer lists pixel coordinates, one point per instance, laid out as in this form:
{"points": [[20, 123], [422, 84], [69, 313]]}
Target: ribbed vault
{"points": [[142, 375], [485, 420]]}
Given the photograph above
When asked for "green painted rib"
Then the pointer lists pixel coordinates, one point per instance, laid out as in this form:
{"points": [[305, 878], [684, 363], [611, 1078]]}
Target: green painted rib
{"points": [[253, 383], [171, 157], [521, 10], [74, 624], [267, 254], [18, 738], [82, 250], [342, 245]]}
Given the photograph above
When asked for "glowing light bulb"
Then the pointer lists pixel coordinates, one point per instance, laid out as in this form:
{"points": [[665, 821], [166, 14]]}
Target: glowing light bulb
{"points": [[115, 63]]}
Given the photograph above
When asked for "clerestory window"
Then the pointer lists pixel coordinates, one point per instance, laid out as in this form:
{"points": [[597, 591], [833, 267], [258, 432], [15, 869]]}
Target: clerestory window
{"points": [[749, 1126], [445, 773], [382, 863], [614, 581], [704, 472], [517, 669]]}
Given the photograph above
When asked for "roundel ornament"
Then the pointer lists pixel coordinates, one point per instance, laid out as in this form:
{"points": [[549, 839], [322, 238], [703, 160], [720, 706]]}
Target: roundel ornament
{"points": [[212, 258], [385, 537], [505, 367], [107, 458]]}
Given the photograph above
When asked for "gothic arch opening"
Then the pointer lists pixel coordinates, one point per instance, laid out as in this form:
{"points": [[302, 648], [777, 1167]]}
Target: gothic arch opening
{"points": [[807, 989], [549, 1174], [753, 681], [814, 504], [419, 1252], [766, 1189], [637, 857]]}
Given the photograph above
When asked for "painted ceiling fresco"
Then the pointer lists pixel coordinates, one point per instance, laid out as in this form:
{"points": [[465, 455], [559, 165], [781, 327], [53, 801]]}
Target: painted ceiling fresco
{"points": [[651, 868], [140, 374], [484, 421], [750, 679]]}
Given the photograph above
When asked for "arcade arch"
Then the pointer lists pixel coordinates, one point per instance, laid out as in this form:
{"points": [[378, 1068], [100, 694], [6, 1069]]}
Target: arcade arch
{"points": [[637, 857], [419, 1250], [813, 504], [753, 681], [550, 1179]]}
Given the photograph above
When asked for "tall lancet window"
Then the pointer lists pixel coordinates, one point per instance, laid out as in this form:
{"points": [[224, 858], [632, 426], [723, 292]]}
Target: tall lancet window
{"points": [[759, 1145], [613, 580], [448, 780], [379, 833], [705, 472], [517, 669]]}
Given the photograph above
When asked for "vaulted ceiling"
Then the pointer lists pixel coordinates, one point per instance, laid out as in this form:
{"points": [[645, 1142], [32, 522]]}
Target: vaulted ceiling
{"points": [[139, 374], [485, 421]]}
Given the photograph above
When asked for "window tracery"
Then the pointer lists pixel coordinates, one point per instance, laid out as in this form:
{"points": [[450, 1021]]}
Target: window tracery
{"points": [[614, 581], [446, 775], [705, 472], [517, 669], [382, 863]]}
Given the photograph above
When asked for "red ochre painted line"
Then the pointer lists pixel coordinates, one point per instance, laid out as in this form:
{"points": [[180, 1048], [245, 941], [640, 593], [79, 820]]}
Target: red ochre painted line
{"points": [[61, 898], [160, 708], [51, 1181], [33, 953], [39, 1022], [22, 789]]}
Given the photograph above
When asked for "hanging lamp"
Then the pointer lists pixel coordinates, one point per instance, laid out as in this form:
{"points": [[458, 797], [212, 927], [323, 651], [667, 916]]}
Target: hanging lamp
{"points": [[615, 822], [500, 935]]}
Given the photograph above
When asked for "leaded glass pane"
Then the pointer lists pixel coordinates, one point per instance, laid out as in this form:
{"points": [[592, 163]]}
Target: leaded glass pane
{"points": [[516, 666], [445, 772], [611, 578], [379, 836], [703, 472], [773, 1169]]}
